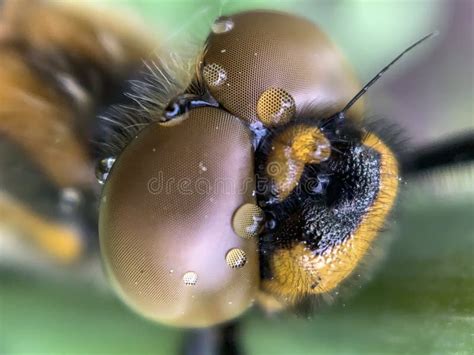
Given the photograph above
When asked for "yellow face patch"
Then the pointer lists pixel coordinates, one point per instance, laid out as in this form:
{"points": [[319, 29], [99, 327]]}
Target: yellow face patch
{"points": [[291, 151]]}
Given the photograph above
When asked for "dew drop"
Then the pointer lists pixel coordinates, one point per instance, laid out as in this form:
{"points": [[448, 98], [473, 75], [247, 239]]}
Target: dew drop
{"points": [[236, 258], [103, 168], [202, 167], [214, 74], [248, 221], [222, 25], [190, 278], [275, 106]]}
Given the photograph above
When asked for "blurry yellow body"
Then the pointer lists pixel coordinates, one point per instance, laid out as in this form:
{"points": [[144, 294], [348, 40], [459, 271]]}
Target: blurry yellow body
{"points": [[42, 120]]}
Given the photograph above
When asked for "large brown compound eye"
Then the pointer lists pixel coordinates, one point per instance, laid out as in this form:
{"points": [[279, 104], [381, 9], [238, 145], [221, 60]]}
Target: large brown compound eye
{"points": [[265, 66], [167, 234]]}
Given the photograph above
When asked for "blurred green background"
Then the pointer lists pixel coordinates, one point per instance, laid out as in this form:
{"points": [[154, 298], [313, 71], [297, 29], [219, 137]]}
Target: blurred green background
{"points": [[420, 299]]}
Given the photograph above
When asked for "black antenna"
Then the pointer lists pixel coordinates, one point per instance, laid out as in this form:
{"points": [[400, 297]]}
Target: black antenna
{"points": [[380, 73]]}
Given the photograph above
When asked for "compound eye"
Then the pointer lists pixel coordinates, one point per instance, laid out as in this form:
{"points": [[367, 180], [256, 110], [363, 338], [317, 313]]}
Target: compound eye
{"points": [[167, 229], [263, 66]]}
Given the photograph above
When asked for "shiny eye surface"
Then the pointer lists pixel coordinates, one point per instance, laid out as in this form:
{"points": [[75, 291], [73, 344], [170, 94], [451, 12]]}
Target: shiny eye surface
{"points": [[166, 221]]}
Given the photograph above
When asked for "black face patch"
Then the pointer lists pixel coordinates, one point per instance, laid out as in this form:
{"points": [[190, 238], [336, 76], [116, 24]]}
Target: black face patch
{"points": [[327, 206]]}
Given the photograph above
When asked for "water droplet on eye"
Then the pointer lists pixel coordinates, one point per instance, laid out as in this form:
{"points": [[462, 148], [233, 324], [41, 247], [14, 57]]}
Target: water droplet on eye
{"points": [[222, 25], [103, 168], [236, 258], [202, 166], [214, 74], [248, 221], [190, 278], [275, 106]]}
